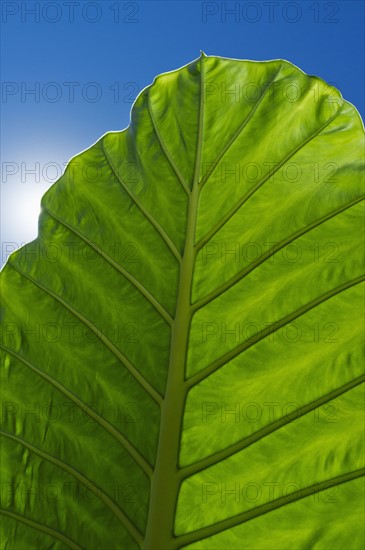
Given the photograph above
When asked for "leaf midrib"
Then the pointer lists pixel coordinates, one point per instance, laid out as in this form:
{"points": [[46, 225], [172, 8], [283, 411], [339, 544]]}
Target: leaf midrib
{"points": [[165, 483]]}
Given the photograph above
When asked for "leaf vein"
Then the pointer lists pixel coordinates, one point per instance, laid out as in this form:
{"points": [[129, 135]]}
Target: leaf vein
{"points": [[143, 290], [223, 454], [221, 361], [240, 129], [255, 188], [245, 271], [116, 434], [233, 521], [144, 210], [149, 389], [165, 149], [42, 528], [108, 501]]}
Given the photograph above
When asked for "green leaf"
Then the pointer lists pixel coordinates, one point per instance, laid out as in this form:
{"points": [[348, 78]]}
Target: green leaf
{"points": [[182, 344]]}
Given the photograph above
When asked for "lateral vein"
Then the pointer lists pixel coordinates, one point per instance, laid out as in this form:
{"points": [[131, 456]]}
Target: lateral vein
{"points": [[116, 434], [240, 129], [143, 290], [223, 454], [143, 382], [108, 501], [221, 361], [255, 188], [233, 521], [256, 263], [144, 210], [42, 528], [165, 149]]}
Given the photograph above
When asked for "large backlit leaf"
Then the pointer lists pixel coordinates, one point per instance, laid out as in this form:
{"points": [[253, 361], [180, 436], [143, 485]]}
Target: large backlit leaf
{"points": [[182, 358]]}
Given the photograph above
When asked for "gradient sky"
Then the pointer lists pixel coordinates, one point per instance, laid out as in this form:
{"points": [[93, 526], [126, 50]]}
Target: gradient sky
{"points": [[87, 61]]}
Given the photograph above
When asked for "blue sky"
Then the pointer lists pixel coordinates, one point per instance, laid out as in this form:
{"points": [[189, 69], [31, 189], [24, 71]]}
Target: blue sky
{"points": [[86, 61]]}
